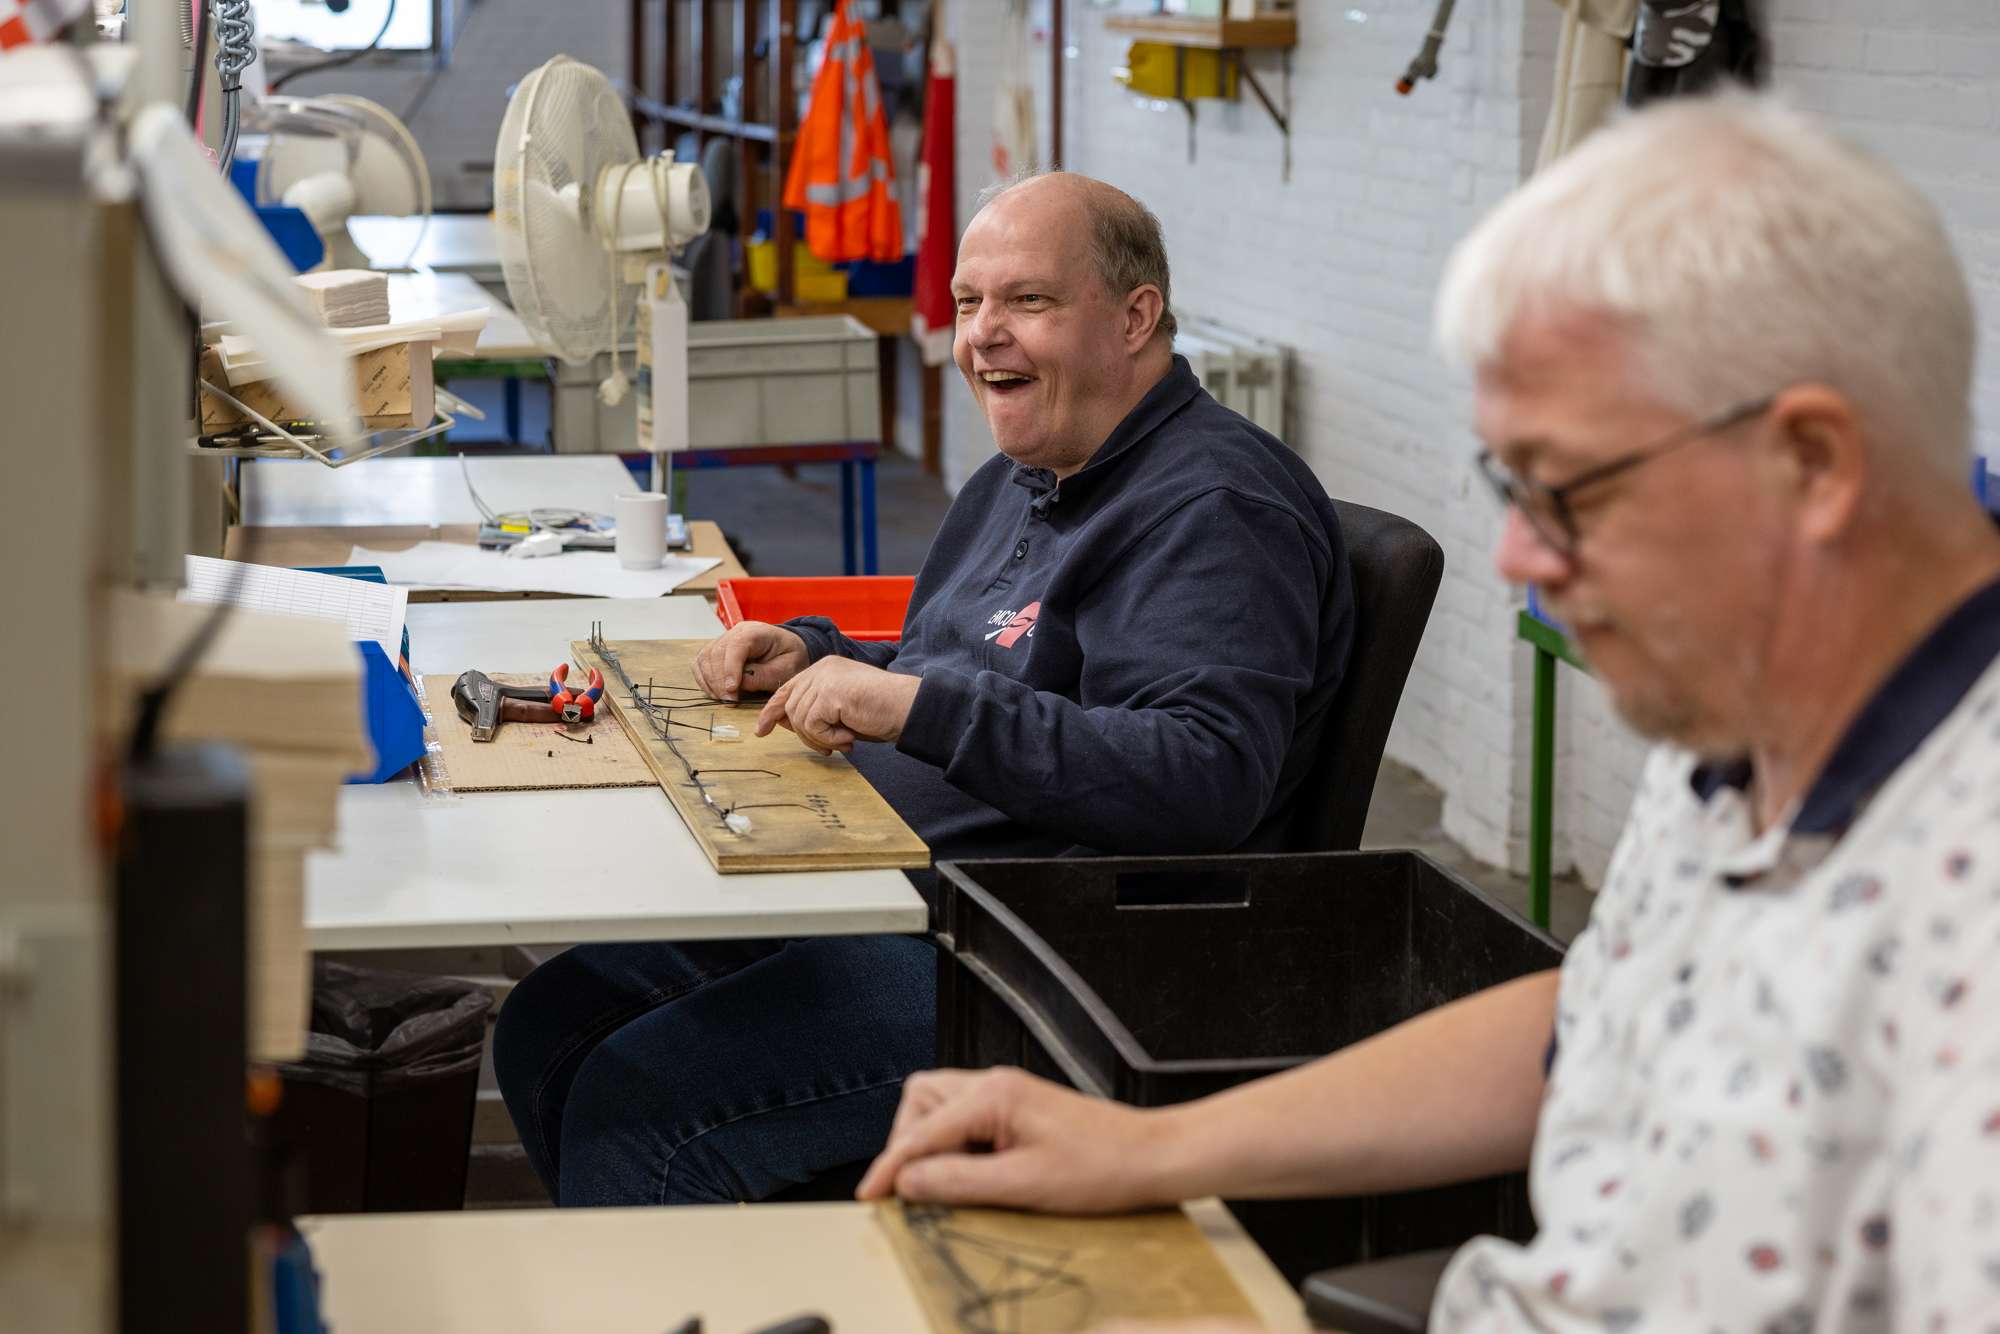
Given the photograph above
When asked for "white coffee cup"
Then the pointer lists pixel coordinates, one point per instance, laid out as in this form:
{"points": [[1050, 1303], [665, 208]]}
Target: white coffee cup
{"points": [[642, 529]]}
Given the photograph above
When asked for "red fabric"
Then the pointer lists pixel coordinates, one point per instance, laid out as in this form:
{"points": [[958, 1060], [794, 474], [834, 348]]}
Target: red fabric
{"points": [[851, 208], [935, 315]]}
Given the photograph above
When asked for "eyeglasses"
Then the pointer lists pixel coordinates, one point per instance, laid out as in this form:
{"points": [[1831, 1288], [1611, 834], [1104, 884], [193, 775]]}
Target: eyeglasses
{"points": [[1547, 508]]}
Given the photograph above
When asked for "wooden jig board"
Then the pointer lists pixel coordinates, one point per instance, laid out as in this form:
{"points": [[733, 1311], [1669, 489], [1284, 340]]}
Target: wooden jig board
{"points": [[816, 814], [1149, 1266], [524, 757]]}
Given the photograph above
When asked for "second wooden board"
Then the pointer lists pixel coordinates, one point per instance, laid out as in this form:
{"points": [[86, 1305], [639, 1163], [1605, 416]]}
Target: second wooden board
{"points": [[753, 803], [993, 1269]]}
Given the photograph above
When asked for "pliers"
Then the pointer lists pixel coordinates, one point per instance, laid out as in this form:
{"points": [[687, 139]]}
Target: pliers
{"points": [[573, 705], [486, 704]]}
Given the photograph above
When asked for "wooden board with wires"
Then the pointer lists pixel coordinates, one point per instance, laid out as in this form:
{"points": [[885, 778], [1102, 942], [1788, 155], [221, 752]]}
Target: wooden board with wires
{"points": [[752, 803], [982, 1271]]}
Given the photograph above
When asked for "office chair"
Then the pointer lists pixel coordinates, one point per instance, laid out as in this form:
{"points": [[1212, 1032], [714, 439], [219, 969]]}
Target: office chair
{"points": [[1396, 569]]}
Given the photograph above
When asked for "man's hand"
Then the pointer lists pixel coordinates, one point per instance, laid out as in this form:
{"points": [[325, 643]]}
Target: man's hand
{"points": [[838, 701], [1053, 1149], [749, 656]]}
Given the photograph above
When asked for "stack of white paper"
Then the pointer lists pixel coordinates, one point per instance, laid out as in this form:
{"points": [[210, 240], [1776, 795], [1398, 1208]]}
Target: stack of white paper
{"points": [[346, 298], [368, 610], [581, 573]]}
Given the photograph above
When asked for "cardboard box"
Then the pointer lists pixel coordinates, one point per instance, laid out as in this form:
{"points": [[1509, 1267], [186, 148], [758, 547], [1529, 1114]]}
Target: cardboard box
{"points": [[392, 386]]}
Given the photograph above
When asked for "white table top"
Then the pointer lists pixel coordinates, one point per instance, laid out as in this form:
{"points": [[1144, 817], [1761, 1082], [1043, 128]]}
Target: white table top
{"points": [[298, 493], [451, 243], [559, 867], [505, 338], [641, 1271]]}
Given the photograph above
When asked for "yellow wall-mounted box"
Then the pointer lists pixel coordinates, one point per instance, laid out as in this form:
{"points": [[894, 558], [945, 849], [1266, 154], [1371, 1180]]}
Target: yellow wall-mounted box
{"points": [[1149, 71]]}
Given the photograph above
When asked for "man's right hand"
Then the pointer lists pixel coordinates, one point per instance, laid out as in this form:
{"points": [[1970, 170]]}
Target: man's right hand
{"points": [[1053, 1149], [749, 656]]}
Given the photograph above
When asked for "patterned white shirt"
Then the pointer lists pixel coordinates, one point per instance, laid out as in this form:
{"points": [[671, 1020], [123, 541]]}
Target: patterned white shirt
{"points": [[1775, 1102]]}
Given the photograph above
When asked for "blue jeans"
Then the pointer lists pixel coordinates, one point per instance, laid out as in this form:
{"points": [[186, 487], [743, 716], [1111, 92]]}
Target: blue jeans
{"points": [[712, 1072]]}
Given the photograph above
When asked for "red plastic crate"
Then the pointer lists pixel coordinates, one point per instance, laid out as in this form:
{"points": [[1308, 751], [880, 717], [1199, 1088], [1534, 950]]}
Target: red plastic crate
{"points": [[864, 606]]}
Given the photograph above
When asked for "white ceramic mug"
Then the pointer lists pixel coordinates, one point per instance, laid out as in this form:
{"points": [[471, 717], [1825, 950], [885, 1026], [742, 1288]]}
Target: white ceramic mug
{"points": [[642, 529]]}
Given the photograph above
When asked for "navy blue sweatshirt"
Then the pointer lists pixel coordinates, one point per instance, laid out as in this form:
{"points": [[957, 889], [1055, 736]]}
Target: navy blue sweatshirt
{"points": [[1138, 659]]}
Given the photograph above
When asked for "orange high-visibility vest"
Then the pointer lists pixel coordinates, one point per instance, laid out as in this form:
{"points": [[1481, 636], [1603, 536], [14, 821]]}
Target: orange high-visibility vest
{"points": [[840, 173]]}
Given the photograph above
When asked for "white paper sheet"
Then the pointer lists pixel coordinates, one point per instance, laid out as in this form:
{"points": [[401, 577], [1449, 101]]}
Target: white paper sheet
{"points": [[581, 573], [370, 611]]}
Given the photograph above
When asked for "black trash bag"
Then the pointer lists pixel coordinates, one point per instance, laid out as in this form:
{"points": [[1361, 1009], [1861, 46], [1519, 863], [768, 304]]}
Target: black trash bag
{"points": [[375, 1030]]}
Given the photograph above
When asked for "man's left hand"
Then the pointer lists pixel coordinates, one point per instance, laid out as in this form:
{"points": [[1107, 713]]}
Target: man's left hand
{"points": [[838, 701]]}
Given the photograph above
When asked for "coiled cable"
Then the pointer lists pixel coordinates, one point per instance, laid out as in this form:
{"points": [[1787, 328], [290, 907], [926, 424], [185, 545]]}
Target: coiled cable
{"points": [[235, 50]]}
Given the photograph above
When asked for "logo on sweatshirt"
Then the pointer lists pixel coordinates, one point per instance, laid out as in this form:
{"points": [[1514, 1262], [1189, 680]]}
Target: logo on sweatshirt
{"points": [[1013, 624]]}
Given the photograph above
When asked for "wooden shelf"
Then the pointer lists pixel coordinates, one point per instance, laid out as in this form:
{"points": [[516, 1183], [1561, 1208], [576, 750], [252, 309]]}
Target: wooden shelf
{"points": [[695, 120], [1267, 32]]}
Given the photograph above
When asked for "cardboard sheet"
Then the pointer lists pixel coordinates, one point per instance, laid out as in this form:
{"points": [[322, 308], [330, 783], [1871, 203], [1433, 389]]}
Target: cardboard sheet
{"points": [[524, 757]]}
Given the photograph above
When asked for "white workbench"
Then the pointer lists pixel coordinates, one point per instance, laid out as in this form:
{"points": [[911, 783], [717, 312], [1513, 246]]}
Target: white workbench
{"points": [[451, 243], [504, 338], [288, 493], [559, 867], [641, 1271]]}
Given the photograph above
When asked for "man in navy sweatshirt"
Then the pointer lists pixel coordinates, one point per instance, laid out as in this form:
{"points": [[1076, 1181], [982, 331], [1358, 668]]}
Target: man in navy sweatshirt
{"points": [[1125, 638]]}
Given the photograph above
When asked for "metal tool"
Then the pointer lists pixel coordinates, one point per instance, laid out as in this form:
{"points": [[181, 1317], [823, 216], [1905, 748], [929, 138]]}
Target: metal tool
{"points": [[486, 704]]}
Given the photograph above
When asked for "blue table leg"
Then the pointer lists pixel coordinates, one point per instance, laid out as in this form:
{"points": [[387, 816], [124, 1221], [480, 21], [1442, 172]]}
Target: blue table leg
{"points": [[512, 390], [847, 516], [869, 563]]}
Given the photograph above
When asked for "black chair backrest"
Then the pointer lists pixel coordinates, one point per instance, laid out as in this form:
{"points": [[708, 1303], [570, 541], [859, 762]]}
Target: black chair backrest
{"points": [[1396, 569], [718, 164], [711, 286]]}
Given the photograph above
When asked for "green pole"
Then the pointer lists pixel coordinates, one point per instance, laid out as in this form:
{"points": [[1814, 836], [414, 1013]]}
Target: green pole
{"points": [[1541, 790]]}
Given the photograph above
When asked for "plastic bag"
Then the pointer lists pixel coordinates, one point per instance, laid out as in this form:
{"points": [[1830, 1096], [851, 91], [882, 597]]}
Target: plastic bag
{"points": [[375, 1030]]}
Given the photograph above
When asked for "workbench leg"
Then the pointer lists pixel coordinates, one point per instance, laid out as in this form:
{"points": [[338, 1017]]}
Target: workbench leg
{"points": [[869, 562], [847, 565], [1541, 790], [512, 391]]}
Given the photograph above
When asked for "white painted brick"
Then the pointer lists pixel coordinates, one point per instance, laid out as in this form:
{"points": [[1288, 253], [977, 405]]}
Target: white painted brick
{"points": [[1817, 45], [1900, 52]]}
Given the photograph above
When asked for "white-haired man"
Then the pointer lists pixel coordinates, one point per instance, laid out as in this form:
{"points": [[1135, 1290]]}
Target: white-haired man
{"points": [[1723, 365]]}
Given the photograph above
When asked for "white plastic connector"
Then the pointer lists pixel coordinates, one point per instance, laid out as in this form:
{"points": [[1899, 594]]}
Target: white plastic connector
{"points": [[725, 732], [546, 542], [738, 824]]}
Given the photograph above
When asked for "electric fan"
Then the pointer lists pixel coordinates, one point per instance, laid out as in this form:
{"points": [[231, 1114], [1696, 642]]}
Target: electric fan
{"points": [[335, 156], [585, 224]]}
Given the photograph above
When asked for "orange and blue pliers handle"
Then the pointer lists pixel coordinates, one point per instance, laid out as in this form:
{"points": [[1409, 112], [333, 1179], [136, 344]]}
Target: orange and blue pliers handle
{"points": [[573, 705]]}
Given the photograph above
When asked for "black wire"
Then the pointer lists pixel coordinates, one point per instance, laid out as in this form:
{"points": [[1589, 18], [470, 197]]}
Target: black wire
{"points": [[344, 58], [200, 61]]}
